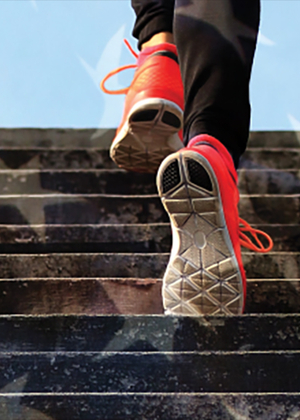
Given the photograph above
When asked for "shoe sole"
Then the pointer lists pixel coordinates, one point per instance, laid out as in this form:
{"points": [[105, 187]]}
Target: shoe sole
{"points": [[148, 136], [203, 275]]}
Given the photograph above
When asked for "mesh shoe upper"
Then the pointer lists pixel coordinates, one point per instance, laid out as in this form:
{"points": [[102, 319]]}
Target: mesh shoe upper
{"points": [[157, 75], [223, 166]]}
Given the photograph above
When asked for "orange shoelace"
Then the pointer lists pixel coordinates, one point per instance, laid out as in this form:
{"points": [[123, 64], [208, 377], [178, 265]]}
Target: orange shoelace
{"points": [[116, 71], [248, 243]]}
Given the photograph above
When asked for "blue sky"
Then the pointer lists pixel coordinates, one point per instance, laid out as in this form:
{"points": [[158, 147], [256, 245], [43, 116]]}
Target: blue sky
{"points": [[54, 53]]}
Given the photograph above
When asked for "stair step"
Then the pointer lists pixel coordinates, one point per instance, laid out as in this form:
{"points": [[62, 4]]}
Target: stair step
{"points": [[269, 139], [269, 181], [276, 158], [126, 296], [79, 181], [103, 181], [244, 371], [81, 296], [96, 158], [55, 159], [140, 238], [137, 238], [91, 138], [108, 209], [270, 209], [116, 367], [149, 406], [143, 371], [149, 372], [275, 265], [149, 354], [151, 333], [84, 247], [80, 209]]}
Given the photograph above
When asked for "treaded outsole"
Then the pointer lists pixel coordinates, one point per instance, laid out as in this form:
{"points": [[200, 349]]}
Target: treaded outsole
{"points": [[148, 136], [202, 276]]}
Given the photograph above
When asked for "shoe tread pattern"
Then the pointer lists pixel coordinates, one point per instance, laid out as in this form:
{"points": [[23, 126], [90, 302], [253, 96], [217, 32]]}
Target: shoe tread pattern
{"points": [[149, 136], [202, 277]]}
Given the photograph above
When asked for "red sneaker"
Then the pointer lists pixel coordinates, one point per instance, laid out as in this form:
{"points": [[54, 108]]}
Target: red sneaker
{"points": [[205, 274], [153, 113]]}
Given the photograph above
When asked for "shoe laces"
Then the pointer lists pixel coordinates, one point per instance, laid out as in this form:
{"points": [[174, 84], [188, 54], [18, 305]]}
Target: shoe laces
{"points": [[118, 70], [247, 242]]}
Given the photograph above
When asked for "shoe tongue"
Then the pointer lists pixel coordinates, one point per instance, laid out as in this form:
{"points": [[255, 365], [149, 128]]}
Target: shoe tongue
{"points": [[164, 46]]}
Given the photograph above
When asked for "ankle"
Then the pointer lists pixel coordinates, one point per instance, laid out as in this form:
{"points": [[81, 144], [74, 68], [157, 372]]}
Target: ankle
{"points": [[161, 38]]}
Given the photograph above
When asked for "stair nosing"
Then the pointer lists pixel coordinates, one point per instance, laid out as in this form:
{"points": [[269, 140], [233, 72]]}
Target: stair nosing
{"points": [[127, 196]]}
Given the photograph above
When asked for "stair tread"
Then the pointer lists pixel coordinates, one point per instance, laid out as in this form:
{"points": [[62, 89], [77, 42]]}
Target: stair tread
{"points": [[139, 238], [12, 137], [154, 371], [107, 209], [89, 158], [101, 181], [151, 406], [273, 265], [149, 333], [136, 296]]}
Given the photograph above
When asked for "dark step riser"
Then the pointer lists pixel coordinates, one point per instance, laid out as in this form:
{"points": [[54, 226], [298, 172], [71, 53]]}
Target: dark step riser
{"points": [[81, 296], [269, 182], [81, 210], [87, 138], [129, 183], [77, 182], [131, 296], [153, 372], [269, 139], [55, 159], [152, 407], [98, 159], [270, 209], [114, 238], [28, 138], [272, 266], [149, 333], [117, 209], [98, 238], [271, 159]]}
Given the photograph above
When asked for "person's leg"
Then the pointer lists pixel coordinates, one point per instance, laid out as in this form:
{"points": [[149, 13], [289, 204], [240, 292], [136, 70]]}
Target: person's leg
{"points": [[153, 17], [198, 185], [216, 40]]}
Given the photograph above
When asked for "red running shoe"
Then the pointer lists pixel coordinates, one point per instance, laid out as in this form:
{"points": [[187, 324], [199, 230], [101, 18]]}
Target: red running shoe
{"points": [[205, 274], [153, 113]]}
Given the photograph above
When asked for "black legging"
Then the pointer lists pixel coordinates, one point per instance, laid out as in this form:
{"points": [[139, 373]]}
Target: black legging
{"points": [[216, 41]]}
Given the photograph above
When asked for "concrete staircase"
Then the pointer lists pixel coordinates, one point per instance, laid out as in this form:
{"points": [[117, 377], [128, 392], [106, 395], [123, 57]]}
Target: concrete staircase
{"points": [[83, 248]]}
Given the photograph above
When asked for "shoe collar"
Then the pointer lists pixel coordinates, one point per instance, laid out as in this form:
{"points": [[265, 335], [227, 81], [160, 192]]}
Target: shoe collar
{"points": [[206, 139]]}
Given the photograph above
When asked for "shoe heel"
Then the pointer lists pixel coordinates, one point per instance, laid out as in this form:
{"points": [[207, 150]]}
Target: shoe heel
{"points": [[150, 133]]}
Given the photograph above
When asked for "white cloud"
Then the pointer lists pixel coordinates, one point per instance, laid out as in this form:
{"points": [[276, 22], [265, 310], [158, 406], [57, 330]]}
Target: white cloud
{"points": [[109, 60], [294, 122], [262, 39]]}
